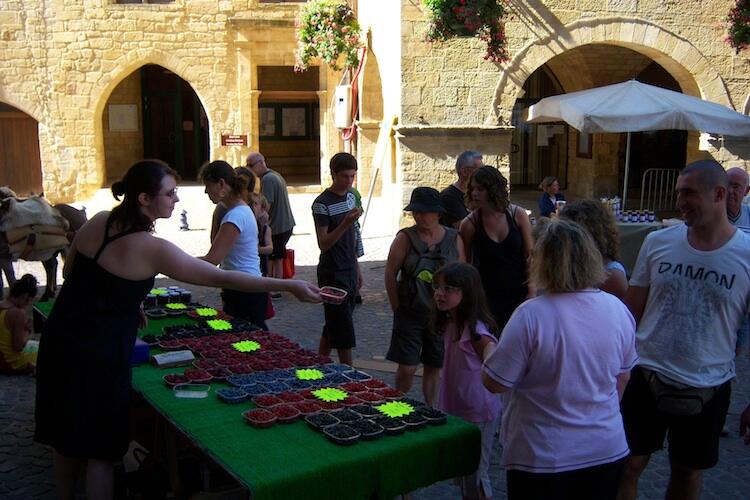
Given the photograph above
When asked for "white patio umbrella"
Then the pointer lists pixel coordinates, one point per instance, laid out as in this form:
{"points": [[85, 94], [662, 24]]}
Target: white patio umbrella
{"points": [[633, 106]]}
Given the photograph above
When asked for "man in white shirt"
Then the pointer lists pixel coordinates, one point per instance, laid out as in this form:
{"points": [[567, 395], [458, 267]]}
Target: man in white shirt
{"points": [[689, 292], [739, 185]]}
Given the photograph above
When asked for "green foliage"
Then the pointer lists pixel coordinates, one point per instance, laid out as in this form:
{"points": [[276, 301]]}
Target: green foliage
{"points": [[738, 25], [327, 30], [481, 18]]}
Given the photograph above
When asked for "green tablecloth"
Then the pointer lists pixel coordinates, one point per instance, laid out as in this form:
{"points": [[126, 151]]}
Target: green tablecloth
{"points": [[293, 461]]}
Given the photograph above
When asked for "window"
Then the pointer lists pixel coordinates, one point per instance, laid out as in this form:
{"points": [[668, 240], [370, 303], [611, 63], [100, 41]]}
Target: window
{"points": [[288, 121]]}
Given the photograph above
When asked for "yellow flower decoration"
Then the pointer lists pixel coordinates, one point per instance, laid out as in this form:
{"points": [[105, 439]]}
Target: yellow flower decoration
{"points": [[219, 324], [176, 306], [395, 409], [246, 346], [158, 291], [206, 311], [329, 394], [309, 374]]}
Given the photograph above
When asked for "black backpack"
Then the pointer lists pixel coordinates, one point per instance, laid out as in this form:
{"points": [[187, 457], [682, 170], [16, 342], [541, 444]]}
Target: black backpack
{"points": [[415, 282]]}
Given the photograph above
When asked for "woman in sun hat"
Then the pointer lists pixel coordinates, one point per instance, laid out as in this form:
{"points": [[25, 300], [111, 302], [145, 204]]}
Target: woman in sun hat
{"points": [[416, 253]]}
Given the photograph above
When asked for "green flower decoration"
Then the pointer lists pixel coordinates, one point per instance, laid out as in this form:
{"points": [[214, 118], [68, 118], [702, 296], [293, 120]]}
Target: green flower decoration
{"points": [[395, 409], [425, 276], [206, 311], [246, 346], [219, 324], [158, 291], [309, 374], [176, 306], [329, 394]]}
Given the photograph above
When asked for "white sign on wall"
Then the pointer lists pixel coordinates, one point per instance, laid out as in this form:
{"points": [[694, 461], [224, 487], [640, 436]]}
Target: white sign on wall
{"points": [[123, 117]]}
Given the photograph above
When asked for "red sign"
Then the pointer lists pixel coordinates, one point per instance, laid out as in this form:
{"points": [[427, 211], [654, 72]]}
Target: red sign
{"points": [[234, 140]]}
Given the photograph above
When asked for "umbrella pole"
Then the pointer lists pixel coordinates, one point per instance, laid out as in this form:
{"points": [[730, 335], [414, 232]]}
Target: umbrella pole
{"points": [[627, 169]]}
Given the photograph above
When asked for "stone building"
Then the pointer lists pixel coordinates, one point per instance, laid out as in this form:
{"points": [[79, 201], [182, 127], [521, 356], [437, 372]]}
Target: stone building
{"points": [[88, 86]]}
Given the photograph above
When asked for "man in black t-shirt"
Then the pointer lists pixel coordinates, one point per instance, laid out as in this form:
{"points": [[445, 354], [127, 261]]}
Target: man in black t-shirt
{"points": [[452, 197], [335, 212]]}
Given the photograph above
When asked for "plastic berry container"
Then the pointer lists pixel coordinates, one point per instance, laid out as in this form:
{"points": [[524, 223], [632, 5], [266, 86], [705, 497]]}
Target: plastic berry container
{"points": [[267, 401], [341, 434], [333, 295], [285, 413], [260, 418]]}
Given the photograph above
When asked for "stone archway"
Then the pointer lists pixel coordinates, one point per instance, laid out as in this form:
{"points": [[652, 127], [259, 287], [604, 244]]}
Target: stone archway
{"points": [[692, 70], [132, 62]]}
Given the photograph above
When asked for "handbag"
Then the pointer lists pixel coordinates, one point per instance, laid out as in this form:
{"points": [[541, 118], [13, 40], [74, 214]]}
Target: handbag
{"points": [[289, 264], [678, 401]]}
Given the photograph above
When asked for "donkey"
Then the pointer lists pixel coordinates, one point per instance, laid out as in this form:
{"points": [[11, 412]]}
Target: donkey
{"points": [[32, 229]]}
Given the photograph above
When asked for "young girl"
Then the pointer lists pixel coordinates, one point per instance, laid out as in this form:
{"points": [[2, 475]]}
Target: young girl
{"points": [[462, 317], [260, 207]]}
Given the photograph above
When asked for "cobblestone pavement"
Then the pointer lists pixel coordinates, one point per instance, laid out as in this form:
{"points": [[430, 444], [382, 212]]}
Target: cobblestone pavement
{"points": [[25, 467]]}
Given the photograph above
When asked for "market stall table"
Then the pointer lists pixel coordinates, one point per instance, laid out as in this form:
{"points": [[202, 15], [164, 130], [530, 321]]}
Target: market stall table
{"points": [[293, 461]]}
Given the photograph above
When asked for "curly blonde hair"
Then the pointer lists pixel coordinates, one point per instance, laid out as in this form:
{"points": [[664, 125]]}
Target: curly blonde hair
{"points": [[599, 222], [565, 258]]}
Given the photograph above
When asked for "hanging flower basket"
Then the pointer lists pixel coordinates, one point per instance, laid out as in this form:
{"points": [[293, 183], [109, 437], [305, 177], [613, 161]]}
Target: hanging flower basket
{"points": [[738, 25], [484, 19], [327, 30]]}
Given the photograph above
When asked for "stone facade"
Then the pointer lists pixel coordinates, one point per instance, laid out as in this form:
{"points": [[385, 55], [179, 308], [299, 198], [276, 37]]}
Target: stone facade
{"points": [[450, 91], [63, 62]]}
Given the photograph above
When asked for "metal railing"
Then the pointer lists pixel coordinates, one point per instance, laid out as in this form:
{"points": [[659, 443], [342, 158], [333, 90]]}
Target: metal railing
{"points": [[658, 189]]}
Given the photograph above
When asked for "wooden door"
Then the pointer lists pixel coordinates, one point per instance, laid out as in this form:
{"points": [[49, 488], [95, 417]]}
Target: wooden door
{"points": [[20, 161]]}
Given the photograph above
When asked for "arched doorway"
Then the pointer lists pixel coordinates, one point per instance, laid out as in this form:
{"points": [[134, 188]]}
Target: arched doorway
{"points": [[20, 161], [558, 150], [153, 113]]}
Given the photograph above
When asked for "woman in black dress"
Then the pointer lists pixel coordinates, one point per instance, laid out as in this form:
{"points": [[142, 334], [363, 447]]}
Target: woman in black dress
{"points": [[83, 374], [497, 239]]}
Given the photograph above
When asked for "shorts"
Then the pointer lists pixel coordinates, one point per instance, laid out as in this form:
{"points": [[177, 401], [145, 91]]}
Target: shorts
{"points": [[599, 482], [413, 341], [250, 306], [693, 440], [279, 245], [339, 323]]}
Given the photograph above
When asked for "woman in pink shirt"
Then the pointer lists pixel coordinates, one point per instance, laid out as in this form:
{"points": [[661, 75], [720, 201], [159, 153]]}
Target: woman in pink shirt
{"points": [[463, 319], [566, 357]]}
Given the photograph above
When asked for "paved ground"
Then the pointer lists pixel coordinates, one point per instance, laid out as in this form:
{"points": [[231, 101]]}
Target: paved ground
{"points": [[25, 467]]}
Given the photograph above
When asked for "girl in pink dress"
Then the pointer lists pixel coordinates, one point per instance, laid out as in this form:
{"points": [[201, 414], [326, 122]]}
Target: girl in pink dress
{"points": [[469, 335]]}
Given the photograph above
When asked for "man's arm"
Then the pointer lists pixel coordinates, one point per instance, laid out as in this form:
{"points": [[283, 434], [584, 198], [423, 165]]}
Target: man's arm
{"points": [[635, 299], [327, 239]]}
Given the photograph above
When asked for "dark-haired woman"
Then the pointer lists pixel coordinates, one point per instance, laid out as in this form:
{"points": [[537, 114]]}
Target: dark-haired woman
{"points": [[235, 246], [83, 369], [15, 327], [551, 194], [497, 238]]}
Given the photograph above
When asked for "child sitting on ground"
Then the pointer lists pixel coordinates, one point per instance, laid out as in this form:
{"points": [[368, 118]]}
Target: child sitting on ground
{"points": [[462, 317], [15, 326]]}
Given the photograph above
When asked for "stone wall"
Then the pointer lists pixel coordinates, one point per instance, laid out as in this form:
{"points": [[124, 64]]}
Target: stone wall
{"points": [[60, 61], [450, 84]]}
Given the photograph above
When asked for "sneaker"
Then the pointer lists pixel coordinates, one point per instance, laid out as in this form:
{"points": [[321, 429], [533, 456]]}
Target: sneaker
{"points": [[276, 295]]}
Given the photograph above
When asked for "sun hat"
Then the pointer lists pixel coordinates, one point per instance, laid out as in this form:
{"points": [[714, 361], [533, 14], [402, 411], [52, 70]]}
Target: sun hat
{"points": [[425, 199]]}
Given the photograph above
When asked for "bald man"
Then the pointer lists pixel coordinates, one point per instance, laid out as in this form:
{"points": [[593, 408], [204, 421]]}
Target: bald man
{"points": [[280, 217], [739, 185]]}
